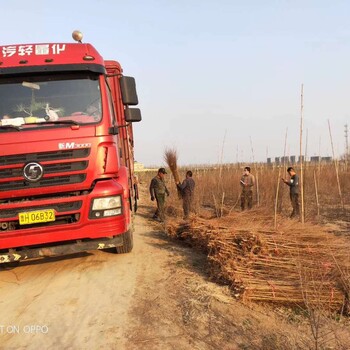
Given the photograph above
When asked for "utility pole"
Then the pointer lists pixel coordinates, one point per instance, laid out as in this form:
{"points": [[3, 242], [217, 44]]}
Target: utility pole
{"points": [[346, 146], [301, 153]]}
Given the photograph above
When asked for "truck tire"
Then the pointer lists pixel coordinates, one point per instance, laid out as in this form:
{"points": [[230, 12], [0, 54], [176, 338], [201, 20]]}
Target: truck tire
{"points": [[128, 243]]}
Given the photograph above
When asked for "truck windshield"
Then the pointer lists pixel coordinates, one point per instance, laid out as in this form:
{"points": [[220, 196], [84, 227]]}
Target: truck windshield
{"points": [[41, 99]]}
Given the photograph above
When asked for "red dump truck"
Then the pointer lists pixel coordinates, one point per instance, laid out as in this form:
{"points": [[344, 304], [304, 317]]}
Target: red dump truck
{"points": [[66, 151]]}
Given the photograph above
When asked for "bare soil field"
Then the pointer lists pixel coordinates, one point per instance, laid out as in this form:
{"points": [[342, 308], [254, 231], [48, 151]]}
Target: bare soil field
{"points": [[160, 296]]}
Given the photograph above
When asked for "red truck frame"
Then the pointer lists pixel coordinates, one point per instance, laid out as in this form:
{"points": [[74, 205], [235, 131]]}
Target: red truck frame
{"points": [[66, 151]]}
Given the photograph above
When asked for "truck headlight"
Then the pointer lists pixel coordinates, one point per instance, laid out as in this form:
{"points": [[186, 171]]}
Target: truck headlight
{"points": [[105, 207], [107, 203]]}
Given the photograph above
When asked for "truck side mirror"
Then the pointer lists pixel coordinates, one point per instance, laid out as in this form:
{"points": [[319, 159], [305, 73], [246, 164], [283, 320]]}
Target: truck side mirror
{"points": [[132, 115], [128, 90]]}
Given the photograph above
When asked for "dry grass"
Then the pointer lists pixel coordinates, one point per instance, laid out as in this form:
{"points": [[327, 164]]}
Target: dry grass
{"points": [[219, 187]]}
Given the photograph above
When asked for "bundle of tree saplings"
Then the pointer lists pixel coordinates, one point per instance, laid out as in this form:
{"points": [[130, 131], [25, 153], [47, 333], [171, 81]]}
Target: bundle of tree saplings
{"points": [[298, 264]]}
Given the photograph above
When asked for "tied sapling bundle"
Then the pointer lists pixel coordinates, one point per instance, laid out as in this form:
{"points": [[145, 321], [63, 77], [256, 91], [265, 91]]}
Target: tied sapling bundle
{"points": [[170, 157]]}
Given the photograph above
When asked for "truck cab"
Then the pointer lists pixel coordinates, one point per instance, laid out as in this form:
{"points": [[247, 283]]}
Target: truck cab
{"points": [[66, 151]]}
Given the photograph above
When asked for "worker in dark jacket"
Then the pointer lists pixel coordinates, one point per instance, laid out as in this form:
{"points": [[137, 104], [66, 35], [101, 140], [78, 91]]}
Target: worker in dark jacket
{"points": [[293, 184], [158, 190], [187, 192], [247, 183]]}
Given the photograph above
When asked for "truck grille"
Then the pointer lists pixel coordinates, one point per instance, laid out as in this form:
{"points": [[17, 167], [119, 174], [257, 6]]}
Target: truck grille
{"points": [[48, 169], [50, 181], [44, 156], [59, 169]]}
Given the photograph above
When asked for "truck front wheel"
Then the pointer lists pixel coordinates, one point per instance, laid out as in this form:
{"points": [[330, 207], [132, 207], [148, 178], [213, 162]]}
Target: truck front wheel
{"points": [[128, 243]]}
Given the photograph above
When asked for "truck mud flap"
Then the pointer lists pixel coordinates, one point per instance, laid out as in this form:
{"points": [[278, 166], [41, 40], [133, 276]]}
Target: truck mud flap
{"points": [[64, 249]]}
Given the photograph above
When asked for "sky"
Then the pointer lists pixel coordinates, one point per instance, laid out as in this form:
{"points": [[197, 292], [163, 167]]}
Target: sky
{"points": [[218, 81]]}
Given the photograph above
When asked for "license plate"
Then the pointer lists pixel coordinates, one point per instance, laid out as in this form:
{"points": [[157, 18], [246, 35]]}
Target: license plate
{"points": [[34, 217]]}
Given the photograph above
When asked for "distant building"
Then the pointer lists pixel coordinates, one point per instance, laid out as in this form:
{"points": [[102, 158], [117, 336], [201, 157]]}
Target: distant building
{"points": [[138, 166], [315, 159], [285, 160], [292, 160]]}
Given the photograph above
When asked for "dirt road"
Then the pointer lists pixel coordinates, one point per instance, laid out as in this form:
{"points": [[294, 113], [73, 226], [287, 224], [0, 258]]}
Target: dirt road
{"points": [[96, 300], [157, 297]]}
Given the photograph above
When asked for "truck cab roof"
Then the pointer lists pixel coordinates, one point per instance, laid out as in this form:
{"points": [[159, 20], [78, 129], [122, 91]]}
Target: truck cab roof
{"points": [[24, 58]]}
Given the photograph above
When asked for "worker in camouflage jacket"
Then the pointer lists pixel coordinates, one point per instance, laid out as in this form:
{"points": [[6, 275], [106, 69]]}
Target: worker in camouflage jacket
{"points": [[247, 184], [158, 190]]}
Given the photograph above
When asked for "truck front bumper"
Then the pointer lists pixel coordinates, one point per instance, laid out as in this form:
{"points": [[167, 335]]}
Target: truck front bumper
{"points": [[78, 246]]}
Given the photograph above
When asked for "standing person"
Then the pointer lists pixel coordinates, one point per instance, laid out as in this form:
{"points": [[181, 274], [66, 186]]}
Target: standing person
{"points": [[247, 183], [293, 184], [158, 190], [136, 191], [187, 192]]}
